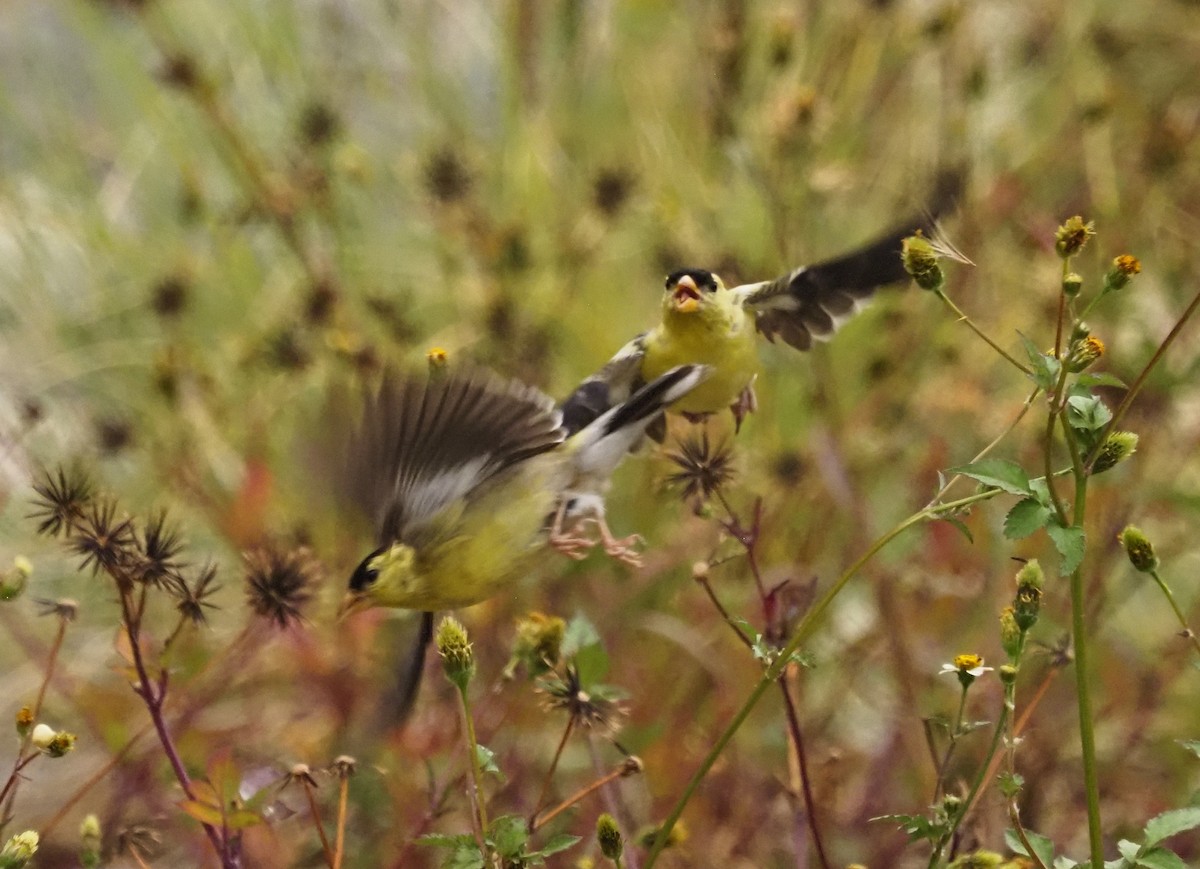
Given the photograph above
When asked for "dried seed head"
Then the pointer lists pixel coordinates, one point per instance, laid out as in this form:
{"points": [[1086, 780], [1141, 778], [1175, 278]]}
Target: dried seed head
{"points": [[62, 499], [279, 583]]}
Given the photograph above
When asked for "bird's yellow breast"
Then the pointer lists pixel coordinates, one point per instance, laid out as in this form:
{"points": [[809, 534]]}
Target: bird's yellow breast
{"points": [[720, 336]]}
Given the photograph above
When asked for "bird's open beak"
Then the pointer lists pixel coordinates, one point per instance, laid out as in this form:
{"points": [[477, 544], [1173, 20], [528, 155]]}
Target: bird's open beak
{"points": [[686, 296], [352, 603]]}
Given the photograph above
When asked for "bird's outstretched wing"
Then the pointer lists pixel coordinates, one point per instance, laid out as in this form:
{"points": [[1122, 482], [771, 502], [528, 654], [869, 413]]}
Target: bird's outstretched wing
{"points": [[426, 442], [811, 302], [613, 384]]}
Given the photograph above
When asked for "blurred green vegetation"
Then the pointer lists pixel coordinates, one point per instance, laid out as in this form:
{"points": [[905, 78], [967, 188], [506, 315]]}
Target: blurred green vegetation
{"points": [[211, 211]]}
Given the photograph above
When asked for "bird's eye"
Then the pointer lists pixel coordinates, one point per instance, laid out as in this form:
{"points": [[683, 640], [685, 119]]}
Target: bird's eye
{"points": [[364, 575]]}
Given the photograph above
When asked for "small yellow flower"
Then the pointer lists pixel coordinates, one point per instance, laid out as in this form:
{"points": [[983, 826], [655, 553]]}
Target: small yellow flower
{"points": [[1085, 353], [24, 720], [437, 357], [1124, 268], [967, 667], [1070, 238]]}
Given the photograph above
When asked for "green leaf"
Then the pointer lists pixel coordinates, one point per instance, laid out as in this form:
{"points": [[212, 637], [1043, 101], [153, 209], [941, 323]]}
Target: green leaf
{"points": [[999, 473], [1170, 823], [1192, 745], [557, 843], [1087, 413], [1101, 378], [1043, 847], [955, 522], [917, 827], [486, 759], [509, 835], [1010, 783], [1025, 517], [591, 664], [1129, 850], [1160, 858], [1045, 366], [1070, 543], [202, 812]]}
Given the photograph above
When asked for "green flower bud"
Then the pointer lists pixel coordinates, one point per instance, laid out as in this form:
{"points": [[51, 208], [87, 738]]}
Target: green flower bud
{"points": [[1007, 673], [608, 834], [1139, 549], [14, 580], [952, 804], [977, 860], [921, 262], [90, 842], [19, 850], [1031, 574], [1071, 285], [1070, 238], [538, 645], [1117, 447], [457, 659], [1010, 633]]}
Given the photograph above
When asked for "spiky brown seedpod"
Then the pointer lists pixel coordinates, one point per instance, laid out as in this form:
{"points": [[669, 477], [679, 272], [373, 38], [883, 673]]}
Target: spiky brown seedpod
{"points": [[158, 553], [106, 542], [585, 707], [194, 598], [279, 583], [62, 498], [704, 469]]}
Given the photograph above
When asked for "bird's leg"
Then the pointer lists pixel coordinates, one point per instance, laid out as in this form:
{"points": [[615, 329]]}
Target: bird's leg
{"points": [[621, 548], [746, 404], [569, 543]]}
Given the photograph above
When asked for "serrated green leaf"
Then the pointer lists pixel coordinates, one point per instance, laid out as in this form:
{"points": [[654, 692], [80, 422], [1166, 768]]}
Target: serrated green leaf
{"points": [[1026, 517], [1101, 378], [1129, 850], [1087, 413], [1045, 367], [509, 835], [1070, 543], [591, 664], [1170, 823], [557, 843], [1159, 858], [1043, 847], [1000, 473]]}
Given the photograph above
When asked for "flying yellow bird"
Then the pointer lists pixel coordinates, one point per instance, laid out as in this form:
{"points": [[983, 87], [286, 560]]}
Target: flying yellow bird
{"points": [[704, 322], [465, 474]]}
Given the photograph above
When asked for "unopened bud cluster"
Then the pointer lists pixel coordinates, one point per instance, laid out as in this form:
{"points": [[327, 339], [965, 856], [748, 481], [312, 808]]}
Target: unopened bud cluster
{"points": [[458, 660], [921, 262]]}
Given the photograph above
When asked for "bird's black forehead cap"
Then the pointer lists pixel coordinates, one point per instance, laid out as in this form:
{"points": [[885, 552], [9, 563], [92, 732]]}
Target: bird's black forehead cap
{"points": [[704, 279], [363, 575]]}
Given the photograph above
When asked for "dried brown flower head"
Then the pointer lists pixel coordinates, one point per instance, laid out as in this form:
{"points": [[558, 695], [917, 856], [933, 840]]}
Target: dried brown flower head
{"points": [[193, 599], [61, 501], [703, 468], [158, 563], [105, 542], [589, 708], [279, 583]]}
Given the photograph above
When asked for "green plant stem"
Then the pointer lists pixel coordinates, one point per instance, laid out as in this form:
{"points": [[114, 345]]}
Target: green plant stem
{"points": [[476, 773], [775, 669], [954, 734], [975, 787], [1087, 734], [1187, 631], [562, 744], [971, 325]]}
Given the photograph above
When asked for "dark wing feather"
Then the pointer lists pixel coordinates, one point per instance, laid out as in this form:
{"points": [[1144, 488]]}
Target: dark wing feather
{"points": [[613, 384], [811, 302], [425, 442]]}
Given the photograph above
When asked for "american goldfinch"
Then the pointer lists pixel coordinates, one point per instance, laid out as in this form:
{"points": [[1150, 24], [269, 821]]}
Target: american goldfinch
{"points": [[704, 322], [467, 475]]}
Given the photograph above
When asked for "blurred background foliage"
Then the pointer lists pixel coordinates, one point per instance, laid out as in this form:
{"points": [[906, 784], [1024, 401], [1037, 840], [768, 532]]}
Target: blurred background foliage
{"points": [[210, 211]]}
